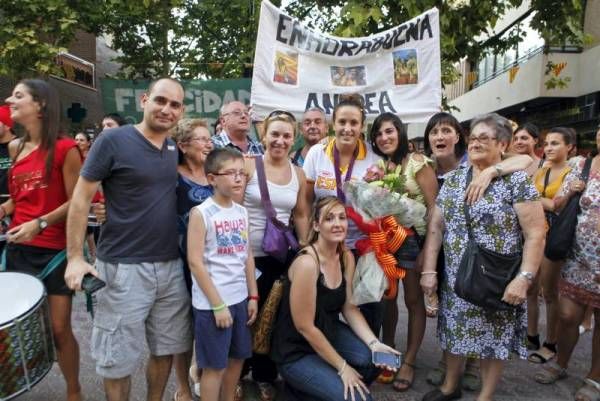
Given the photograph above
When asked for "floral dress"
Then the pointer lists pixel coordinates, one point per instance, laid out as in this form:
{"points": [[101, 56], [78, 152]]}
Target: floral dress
{"points": [[583, 264], [463, 328]]}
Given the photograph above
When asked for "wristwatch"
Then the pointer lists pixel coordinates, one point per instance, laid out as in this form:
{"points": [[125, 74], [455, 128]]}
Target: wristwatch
{"points": [[42, 223], [526, 275]]}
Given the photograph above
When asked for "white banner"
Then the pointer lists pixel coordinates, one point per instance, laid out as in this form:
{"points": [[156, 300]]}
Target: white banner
{"points": [[296, 68]]}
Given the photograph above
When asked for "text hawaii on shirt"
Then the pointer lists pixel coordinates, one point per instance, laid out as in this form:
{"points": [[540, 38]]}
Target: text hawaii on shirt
{"points": [[225, 253]]}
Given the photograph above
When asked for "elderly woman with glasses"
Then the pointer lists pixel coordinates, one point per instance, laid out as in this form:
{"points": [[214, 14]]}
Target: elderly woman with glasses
{"points": [[508, 210], [286, 184]]}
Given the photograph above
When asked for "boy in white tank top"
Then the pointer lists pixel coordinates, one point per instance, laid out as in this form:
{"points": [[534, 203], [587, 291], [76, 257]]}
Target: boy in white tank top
{"points": [[224, 292]]}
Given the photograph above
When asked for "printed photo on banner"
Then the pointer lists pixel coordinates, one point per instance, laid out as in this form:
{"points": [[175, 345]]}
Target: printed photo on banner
{"points": [[348, 76], [406, 67], [286, 67]]}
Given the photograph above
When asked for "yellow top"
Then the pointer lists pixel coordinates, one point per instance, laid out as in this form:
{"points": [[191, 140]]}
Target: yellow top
{"points": [[413, 166], [554, 186], [362, 152]]}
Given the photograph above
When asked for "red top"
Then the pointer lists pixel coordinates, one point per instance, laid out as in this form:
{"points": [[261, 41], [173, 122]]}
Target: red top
{"points": [[33, 197]]}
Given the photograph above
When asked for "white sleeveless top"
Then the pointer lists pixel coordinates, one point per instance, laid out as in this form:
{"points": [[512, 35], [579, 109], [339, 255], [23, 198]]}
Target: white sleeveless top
{"points": [[283, 198], [225, 253]]}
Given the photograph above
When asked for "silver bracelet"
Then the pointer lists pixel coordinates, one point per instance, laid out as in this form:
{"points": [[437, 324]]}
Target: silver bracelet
{"points": [[341, 371], [424, 273]]}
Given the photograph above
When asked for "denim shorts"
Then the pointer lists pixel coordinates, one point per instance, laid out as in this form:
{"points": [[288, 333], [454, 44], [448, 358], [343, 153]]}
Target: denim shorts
{"points": [[214, 346], [140, 300]]}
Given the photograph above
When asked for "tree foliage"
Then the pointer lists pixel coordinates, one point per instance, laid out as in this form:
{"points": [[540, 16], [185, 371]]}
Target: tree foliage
{"points": [[34, 32], [216, 39], [187, 38]]}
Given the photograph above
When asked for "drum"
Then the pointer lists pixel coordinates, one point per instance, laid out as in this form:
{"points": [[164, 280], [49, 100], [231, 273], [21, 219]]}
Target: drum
{"points": [[26, 344]]}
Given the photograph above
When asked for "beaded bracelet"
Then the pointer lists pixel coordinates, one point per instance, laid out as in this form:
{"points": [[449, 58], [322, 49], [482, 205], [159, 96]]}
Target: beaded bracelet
{"points": [[219, 308]]}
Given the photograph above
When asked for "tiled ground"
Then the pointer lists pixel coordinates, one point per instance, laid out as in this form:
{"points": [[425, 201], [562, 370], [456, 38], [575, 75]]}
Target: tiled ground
{"points": [[516, 385]]}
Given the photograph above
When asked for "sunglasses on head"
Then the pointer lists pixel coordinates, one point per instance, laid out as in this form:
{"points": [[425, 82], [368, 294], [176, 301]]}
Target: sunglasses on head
{"points": [[278, 113]]}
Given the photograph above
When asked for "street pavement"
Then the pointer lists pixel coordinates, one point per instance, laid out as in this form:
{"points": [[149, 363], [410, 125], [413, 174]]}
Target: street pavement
{"points": [[516, 385]]}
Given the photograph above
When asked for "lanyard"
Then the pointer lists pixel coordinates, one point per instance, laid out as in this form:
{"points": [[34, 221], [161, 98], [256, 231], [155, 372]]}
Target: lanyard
{"points": [[336, 167]]}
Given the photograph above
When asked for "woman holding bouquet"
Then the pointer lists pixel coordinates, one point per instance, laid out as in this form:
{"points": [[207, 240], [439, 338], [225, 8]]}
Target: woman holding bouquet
{"points": [[389, 140], [344, 158]]}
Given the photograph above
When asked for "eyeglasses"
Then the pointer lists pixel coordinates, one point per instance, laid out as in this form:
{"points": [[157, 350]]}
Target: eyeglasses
{"points": [[483, 139], [279, 113], [232, 174], [200, 139], [238, 113]]}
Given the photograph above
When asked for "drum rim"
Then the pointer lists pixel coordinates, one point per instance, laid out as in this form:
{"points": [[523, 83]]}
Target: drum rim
{"points": [[29, 311]]}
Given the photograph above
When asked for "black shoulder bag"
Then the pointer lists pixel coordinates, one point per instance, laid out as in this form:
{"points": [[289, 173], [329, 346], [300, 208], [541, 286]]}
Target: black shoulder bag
{"points": [[484, 274], [559, 240]]}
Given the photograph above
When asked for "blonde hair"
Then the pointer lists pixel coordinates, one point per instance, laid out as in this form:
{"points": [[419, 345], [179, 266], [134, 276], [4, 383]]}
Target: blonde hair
{"points": [[321, 208], [278, 117], [185, 127]]}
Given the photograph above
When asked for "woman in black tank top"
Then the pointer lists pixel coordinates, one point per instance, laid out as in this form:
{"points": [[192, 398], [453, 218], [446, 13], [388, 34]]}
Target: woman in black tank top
{"points": [[319, 357]]}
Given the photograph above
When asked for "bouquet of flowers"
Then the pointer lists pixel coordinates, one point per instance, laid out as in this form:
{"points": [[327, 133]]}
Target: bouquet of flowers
{"points": [[382, 210]]}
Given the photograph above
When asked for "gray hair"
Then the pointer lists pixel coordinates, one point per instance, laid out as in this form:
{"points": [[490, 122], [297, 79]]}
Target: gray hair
{"points": [[501, 126], [315, 108]]}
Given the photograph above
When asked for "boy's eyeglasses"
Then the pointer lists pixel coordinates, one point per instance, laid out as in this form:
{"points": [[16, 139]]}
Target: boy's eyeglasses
{"points": [[278, 113], [232, 174]]}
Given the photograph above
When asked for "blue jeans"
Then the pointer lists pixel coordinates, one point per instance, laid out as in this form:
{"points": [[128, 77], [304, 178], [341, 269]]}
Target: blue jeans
{"points": [[311, 378]]}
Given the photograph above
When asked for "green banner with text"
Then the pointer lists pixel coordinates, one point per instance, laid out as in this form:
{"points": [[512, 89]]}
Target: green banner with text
{"points": [[203, 99]]}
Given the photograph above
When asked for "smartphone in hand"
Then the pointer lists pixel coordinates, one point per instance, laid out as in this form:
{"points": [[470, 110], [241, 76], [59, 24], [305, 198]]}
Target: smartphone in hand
{"points": [[91, 283], [388, 359]]}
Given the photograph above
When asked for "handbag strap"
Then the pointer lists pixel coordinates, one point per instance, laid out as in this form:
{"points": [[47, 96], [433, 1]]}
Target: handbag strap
{"points": [[468, 216], [466, 206], [546, 179], [585, 173], [264, 190]]}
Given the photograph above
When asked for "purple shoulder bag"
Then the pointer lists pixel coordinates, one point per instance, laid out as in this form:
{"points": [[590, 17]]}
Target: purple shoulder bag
{"points": [[278, 238]]}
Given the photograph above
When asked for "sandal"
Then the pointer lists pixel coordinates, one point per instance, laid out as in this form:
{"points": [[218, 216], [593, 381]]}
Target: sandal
{"points": [[436, 376], [266, 391], [194, 377], [533, 342], [540, 356], [471, 380], [437, 395], [177, 395], [590, 391], [550, 373], [385, 377], [401, 384], [239, 392]]}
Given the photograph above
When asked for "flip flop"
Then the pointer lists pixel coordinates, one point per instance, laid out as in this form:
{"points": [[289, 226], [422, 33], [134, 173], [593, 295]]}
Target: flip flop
{"points": [[590, 391], [550, 373], [537, 357]]}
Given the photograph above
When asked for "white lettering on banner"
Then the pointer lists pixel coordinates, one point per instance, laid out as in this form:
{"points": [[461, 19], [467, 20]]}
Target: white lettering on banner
{"points": [[396, 71], [122, 96], [197, 101]]}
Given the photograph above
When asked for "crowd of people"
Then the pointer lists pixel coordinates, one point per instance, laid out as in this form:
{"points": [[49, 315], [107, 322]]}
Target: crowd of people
{"points": [[182, 246]]}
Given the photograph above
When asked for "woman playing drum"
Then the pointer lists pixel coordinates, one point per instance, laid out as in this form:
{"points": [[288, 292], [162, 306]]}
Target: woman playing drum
{"points": [[41, 181]]}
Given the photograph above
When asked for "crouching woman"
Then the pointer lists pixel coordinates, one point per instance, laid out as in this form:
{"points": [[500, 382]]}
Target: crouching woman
{"points": [[319, 356]]}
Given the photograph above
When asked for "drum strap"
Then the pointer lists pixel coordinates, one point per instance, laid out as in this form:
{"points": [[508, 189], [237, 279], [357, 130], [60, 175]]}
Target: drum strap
{"points": [[50, 267]]}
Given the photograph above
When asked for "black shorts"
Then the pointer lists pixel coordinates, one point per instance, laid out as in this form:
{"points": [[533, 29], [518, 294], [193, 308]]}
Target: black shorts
{"points": [[32, 260]]}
